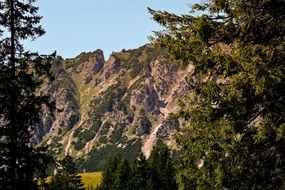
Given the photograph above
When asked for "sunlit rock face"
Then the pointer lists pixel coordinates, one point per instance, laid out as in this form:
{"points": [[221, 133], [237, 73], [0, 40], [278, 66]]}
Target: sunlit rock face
{"points": [[121, 105]]}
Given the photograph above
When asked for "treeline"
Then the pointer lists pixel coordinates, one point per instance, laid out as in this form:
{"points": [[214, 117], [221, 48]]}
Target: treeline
{"points": [[155, 173], [65, 176]]}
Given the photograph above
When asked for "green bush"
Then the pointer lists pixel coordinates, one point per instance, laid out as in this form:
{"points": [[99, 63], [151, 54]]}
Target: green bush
{"points": [[136, 68], [117, 133], [88, 135], [105, 128], [103, 139], [96, 126], [79, 145], [76, 132]]}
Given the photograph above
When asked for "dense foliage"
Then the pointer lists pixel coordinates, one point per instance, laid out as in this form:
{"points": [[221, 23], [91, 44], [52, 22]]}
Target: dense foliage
{"points": [[66, 176], [21, 74], [235, 138], [155, 173], [162, 170]]}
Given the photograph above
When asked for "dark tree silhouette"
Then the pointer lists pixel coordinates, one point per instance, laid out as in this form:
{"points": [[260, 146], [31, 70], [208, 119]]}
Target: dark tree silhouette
{"points": [[235, 136], [162, 168], [66, 177], [123, 175], [141, 174], [110, 173], [155, 173], [21, 74]]}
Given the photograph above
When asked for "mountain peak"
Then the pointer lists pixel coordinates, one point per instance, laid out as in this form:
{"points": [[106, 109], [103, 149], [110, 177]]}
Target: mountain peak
{"points": [[118, 105]]}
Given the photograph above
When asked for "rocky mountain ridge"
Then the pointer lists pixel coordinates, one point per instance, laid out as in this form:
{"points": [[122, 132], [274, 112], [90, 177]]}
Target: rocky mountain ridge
{"points": [[121, 105]]}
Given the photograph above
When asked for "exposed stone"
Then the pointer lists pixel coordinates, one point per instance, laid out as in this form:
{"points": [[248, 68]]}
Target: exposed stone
{"points": [[93, 65], [144, 126], [87, 79], [167, 126], [114, 108]]}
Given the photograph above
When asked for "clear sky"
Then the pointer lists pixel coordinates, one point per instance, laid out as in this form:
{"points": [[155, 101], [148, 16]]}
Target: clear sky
{"points": [[74, 26]]}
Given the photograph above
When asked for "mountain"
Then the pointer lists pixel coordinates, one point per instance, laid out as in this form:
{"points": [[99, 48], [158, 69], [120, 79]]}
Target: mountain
{"points": [[122, 105]]}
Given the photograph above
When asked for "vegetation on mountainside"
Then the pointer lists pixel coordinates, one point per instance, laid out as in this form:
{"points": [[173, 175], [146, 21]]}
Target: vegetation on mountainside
{"points": [[66, 176], [104, 102], [155, 173], [74, 63], [91, 180], [235, 137], [100, 101], [138, 60], [95, 160]]}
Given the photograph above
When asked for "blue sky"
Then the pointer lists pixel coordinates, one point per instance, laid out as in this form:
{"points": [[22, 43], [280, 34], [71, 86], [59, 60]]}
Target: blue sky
{"points": [[74, 26]]}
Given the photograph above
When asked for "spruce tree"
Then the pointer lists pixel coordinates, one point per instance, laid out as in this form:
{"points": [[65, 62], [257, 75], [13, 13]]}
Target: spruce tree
{"points": [[110, 173], [66, 177], [235, 137], [123, 175], [162, 168], [116, 174], [21, 74], [141, 174]]}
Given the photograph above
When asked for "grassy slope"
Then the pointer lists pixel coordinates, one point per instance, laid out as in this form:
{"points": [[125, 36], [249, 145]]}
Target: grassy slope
{"points": [[91, 179], [134, 63]]}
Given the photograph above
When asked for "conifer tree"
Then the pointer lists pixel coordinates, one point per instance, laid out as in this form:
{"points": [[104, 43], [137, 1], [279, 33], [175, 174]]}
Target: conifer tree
{"points": [[156, 173], [116, 174], [141, 174], [162, 168], [66, 177], [21, 74], [235, 137], [123, 176], [110, 173]]}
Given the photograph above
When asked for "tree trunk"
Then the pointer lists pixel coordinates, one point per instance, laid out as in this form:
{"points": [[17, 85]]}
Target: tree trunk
{"points": [[13, 112]]}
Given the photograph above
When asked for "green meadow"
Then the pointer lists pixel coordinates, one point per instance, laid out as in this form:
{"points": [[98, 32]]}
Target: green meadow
{"points": [[91, 179]]}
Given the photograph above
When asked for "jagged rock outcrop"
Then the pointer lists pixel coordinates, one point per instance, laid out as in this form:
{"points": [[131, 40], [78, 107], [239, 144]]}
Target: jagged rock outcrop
{"points": [[63, 94], [106, 107], [93, 63], [112, 67]]}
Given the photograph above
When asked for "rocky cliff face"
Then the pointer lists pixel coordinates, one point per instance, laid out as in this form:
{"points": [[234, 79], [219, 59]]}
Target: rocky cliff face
{"points": [[121, 105]]}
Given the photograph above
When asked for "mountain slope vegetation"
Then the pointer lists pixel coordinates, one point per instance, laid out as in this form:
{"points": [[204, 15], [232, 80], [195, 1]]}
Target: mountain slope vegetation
{"points": [[119, 105]]}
